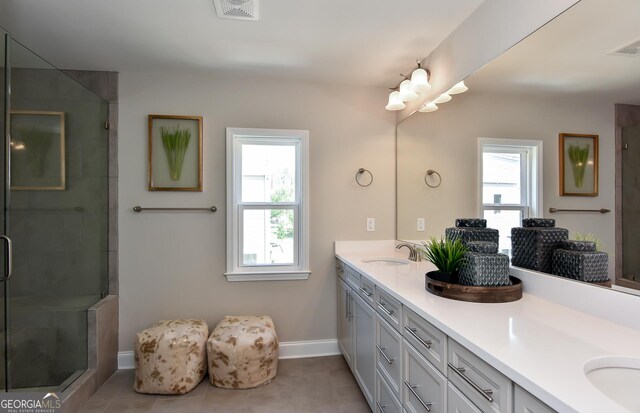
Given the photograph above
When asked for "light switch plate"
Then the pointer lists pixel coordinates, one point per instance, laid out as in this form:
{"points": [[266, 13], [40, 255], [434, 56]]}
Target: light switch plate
{"points": [[420, 225], [371, 224]]}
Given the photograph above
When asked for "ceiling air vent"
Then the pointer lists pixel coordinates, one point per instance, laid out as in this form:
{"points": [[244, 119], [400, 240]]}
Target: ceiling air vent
{"points": [[632, 49], [237, 9]]}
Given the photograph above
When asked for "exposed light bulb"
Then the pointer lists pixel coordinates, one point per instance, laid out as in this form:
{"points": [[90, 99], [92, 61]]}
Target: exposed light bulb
{"points": [[443, 98], [429, 107], [406, 94], [459, 87], [395, 103], [420, 80]]}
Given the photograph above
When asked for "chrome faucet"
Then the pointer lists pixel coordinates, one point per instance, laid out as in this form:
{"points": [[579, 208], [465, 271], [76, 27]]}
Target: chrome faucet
{"points": [[414, 255]]}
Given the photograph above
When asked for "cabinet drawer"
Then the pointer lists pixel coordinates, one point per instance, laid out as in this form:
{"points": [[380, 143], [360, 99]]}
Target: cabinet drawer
{"points": [[366, 290], [389, 354], [423, 387], [340, 269], [389, 308], [486, 387], [352, 278], [386, 402], [427, 339], [524, 402], [457, 403]]}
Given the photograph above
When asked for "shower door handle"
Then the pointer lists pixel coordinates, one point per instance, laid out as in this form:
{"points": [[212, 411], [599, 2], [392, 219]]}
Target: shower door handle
{"points": [[9, 260]]}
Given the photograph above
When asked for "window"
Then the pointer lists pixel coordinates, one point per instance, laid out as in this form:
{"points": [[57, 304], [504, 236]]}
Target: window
{"points": [[510, 184], [267, 204]]}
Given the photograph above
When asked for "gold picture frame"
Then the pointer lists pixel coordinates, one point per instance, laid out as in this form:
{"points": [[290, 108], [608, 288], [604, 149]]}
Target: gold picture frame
{"points": [[175, 157], [37, 150], [578, 164]]}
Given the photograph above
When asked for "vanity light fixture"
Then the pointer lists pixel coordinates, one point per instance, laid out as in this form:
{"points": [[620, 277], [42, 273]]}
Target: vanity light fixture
{"points": [[420, 79], [459, 87], [429, 107], [406, 91], [395, 103], [443, 98], [409, 88]]}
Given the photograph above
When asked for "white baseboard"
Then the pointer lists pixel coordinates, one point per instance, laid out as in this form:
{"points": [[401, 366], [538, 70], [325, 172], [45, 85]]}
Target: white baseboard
{"points": [[126, 360], [303, 349], [288, 350]]}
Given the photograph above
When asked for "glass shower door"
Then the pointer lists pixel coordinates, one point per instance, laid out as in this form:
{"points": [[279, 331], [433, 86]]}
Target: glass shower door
{"points": [[56, 213], [3, 199]]}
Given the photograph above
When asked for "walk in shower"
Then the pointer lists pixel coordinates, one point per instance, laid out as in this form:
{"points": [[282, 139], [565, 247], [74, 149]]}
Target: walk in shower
{"points": [[55, 220]]}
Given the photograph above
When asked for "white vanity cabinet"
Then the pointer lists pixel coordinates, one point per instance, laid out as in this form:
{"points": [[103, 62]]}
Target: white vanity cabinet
{"points": [[403, 363]]}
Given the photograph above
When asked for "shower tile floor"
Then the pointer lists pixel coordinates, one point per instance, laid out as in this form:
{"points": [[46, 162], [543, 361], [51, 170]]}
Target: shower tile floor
{"points": [[319, 384]]}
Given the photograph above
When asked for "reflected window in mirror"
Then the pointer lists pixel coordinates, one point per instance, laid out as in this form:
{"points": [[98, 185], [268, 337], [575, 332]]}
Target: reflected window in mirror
{"points": [[508, 186]]}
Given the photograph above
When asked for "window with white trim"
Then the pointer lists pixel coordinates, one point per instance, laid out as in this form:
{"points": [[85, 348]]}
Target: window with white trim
{"points": [[510, 184], [267, 204]]}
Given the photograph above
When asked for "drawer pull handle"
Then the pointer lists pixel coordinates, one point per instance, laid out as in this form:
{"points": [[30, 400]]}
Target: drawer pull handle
{"points": [[384, 309], [381, 407], [381, 350], [412, 331], [365, 292], [412, 390], [484, 393]]}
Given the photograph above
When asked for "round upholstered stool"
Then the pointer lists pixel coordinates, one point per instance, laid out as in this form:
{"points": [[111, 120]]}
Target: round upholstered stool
{"points": [[243, 352], [171, 357]]}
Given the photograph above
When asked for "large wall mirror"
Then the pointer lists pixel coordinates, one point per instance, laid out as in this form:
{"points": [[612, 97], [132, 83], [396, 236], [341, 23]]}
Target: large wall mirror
{"points": [[496, 147]]}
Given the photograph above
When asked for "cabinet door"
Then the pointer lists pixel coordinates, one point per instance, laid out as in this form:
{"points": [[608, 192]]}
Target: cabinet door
{"points": [[345, 322], [524, 402], [386, 402], [365, 357], [458, 403], [389, 355], [424, 387]]}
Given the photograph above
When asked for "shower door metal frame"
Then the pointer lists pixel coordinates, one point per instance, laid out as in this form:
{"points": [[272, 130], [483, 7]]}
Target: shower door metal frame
{"points": [[5, 221]]}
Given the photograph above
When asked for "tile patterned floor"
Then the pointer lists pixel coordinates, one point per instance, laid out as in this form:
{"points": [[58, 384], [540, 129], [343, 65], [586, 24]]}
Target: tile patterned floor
{"points": [[320, 384]]}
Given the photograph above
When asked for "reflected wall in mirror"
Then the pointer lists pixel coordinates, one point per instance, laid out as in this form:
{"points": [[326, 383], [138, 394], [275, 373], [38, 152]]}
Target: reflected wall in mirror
{"points": [[496, 146]]}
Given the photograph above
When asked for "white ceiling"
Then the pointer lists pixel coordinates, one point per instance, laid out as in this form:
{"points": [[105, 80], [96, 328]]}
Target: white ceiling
{"points": [[569, 55], [356, 41]]}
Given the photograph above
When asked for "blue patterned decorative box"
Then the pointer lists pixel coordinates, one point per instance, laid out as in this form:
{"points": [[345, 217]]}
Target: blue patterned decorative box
{"points": [[532, 247]]}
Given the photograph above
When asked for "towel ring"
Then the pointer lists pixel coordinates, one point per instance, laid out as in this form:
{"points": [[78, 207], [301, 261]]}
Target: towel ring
{"points": [[429, 173], [360, 172]]}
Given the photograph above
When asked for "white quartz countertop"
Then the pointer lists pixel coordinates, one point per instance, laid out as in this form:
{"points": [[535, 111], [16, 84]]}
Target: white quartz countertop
{"points": [[541, 345]]}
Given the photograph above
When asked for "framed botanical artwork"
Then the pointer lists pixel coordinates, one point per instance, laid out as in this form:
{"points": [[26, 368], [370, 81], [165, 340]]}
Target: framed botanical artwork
{"points": [[37, 150], [578, 164], [175, 153]]}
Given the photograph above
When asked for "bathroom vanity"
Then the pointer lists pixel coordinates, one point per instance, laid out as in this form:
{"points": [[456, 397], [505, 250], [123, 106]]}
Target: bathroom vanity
{"points": [[411, 351]]}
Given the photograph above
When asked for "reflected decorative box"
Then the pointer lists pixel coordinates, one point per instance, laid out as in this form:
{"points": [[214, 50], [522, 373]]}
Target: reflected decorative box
{"points": [[482, 266], [579, 260], [472, 229], [532, 246]]}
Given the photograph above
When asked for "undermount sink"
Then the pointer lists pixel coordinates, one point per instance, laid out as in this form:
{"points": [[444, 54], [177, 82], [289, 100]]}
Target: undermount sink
{"points": [[389, 262], [617, 377]]}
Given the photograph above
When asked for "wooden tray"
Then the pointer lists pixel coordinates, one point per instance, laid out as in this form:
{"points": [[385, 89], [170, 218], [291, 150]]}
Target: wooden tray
{"points": [[501, 294]]}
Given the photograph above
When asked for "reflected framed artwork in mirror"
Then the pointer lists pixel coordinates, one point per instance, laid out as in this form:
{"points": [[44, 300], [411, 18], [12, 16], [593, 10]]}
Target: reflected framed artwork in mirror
{"points": [[37, 150], [175, 153], [578, 164]]}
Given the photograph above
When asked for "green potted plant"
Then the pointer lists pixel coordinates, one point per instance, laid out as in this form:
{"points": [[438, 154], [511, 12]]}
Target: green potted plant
{"points": [[446, 255]]}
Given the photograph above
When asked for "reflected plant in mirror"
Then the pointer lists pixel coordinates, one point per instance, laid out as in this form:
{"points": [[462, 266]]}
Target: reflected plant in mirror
{"points": [[578, 155]]}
